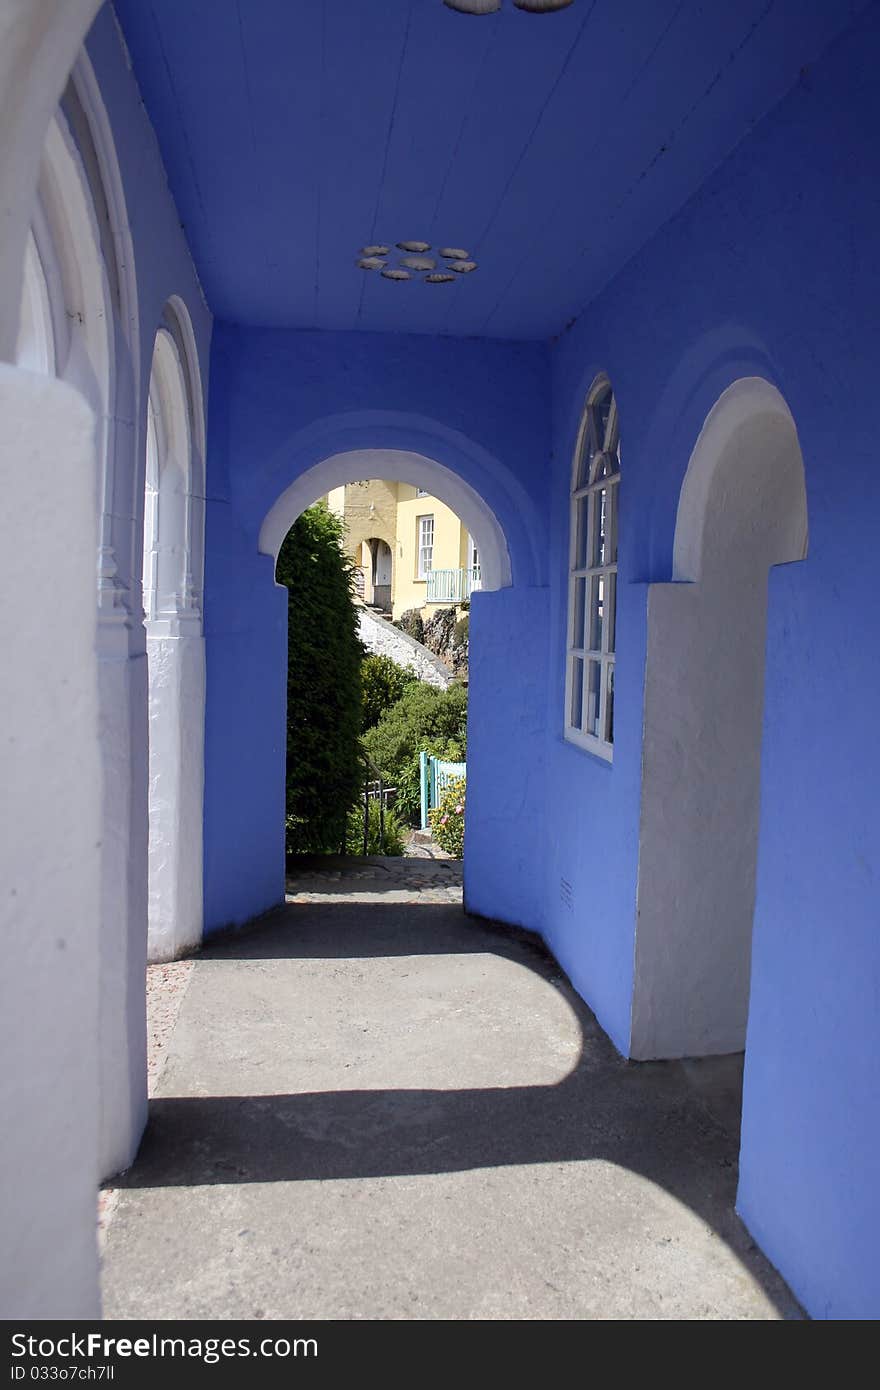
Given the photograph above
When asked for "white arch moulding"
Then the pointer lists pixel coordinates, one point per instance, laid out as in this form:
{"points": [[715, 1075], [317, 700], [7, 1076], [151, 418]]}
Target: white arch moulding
{"points": [[406, 467], [172, 568], [39, 42], [742, 509]]}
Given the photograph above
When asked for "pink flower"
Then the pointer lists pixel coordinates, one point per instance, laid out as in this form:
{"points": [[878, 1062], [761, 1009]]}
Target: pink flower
{"points": [[443, 820], [459, 808]]}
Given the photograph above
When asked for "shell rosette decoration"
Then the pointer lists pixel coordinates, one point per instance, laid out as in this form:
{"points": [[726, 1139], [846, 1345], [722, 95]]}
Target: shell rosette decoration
{"points": [[409, 261]]}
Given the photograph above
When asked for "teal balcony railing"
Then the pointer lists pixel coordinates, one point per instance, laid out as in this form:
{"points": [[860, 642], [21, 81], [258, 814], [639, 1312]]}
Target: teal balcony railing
{"points": [[452, 586]]}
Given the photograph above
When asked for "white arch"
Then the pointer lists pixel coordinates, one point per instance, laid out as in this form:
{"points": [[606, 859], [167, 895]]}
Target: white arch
{"points": [[35, 345], [748, 401], [404, 467], [78, 317], [742, 509]]}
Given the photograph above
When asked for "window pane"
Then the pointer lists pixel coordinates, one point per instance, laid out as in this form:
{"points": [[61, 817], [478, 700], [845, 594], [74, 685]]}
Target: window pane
{"points": [[426, 546], [597, 596], [598, 539], [577, 692], [611, 527], [594, 686], [583, 471], [581, 533], [611, 611], [609, 703], [579, 613], [602, 411]]}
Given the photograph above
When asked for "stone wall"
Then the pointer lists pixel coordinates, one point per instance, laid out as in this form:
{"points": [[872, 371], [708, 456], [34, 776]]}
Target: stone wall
{"points": [[384, 639]]}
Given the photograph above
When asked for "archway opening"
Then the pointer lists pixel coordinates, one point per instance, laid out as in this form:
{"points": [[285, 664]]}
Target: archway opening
{"points": [[414, 560], [742, 510]]}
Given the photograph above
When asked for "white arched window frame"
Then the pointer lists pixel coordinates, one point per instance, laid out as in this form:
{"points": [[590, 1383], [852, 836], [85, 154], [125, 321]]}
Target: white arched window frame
{"points": [[592, 576]]}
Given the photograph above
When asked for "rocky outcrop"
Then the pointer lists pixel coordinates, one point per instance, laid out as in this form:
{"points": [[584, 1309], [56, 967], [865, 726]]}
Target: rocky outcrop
{"points": [[446, 635]]}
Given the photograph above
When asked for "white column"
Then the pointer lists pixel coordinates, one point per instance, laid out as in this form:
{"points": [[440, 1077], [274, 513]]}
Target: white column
{"points": [[50, 832], [176, 655]]}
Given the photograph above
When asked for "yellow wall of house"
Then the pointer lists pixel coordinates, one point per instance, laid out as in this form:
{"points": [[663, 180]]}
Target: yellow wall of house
{"points": [[369, 510], [450, 546], [390, 511]]}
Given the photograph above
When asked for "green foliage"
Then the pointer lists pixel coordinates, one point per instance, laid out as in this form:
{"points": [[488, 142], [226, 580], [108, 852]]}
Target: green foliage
{"points": [[424, 719], [384, 683], [324, 762], [354, 831], [447, 822], [460, 634]]}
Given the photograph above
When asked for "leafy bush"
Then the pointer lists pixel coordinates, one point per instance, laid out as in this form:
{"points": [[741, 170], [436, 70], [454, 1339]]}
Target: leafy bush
{"points": [[460, 635], [447, 822], [324, 655], [383, 683], [425, 718], [395, 835]]}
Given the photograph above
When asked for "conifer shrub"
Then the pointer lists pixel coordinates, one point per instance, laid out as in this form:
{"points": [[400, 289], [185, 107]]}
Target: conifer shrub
{"points": [[325, 772]]}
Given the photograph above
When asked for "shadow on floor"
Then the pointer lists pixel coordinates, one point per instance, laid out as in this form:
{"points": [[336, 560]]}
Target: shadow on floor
{"points": [[675, 1124]]}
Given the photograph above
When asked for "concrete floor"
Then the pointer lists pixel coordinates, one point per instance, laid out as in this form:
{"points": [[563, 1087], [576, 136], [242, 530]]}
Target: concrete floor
{"points": [[373, 1106]]}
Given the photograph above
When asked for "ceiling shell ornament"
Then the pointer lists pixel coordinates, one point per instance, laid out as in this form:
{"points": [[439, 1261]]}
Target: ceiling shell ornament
{"points": [[474, 6], [493, 6], [415, 264]]}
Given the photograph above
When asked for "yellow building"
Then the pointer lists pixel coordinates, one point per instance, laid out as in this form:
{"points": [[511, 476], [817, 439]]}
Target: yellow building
{"points": [[410, 549]]}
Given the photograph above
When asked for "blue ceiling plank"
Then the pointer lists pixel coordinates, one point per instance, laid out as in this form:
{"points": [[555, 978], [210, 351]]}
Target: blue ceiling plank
{"points": [[444, 63], [550, 147], [704, 125], [365, 46]]}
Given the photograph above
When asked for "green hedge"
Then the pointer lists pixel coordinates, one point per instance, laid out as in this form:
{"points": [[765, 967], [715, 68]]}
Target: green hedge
{"points": [[324, 693]]}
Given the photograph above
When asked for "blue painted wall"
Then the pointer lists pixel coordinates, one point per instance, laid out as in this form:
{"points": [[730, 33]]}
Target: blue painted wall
{"points": [[771, 270], [281, 403]]}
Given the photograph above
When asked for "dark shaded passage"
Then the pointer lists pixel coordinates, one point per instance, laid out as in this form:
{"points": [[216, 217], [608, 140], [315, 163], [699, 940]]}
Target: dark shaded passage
{"points": [[611, 1184]]}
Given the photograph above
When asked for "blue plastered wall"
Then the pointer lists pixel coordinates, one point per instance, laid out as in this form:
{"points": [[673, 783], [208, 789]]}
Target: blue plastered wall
{"points": [[770, 271], [281, 403]]}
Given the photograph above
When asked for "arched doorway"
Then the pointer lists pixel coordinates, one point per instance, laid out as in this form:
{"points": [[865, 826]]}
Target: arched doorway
{"points": [[376, 562], [742, 509]]}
